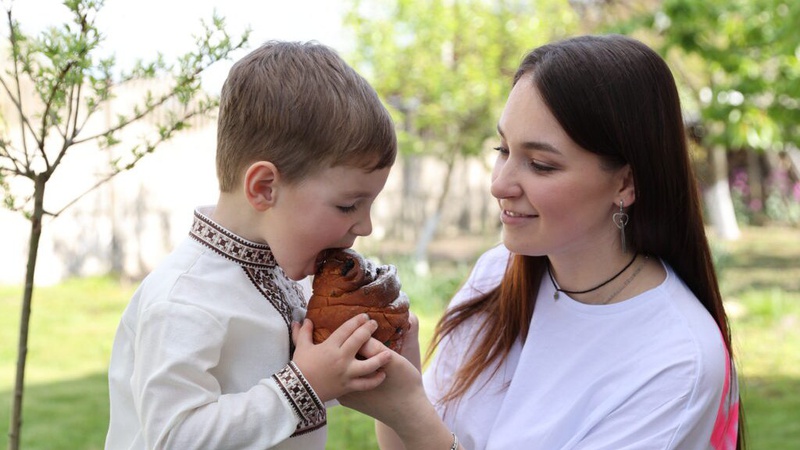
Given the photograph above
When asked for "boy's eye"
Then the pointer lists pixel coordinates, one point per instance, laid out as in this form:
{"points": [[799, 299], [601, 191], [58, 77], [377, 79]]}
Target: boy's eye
{"points": [[501, 149], [346, 209]]}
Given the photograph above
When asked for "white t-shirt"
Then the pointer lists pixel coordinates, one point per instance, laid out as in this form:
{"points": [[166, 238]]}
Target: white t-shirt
{"points": [[650, 372], [201, 356]]}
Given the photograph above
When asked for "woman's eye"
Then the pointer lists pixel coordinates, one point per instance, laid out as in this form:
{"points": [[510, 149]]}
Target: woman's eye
{"points": [[539, 167], [534, 164], [347, 209]]}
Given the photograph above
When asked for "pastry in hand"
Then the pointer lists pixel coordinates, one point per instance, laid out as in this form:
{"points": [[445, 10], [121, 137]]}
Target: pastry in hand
{"points": [[347, 284]]}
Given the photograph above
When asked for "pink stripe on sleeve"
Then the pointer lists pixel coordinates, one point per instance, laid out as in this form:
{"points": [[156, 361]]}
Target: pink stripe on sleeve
{"points": [[724, 435]]}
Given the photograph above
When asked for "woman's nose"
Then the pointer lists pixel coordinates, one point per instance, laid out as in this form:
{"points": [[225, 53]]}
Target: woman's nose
{"points": [[504, 183]]}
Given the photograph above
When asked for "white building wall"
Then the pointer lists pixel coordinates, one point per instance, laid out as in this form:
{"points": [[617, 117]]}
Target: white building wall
{"points": [[149, 208]]}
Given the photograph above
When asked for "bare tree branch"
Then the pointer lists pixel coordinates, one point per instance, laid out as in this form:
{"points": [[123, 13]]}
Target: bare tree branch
{"points": [[48, 104], [17, 99], [14, 171], [138, 155], [123, 124], [6, 154]]}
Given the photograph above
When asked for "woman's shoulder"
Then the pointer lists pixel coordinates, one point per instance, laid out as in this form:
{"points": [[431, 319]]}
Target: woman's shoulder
{"points": [[491, 265], [495, 258], [486, 274], [691, 324]]}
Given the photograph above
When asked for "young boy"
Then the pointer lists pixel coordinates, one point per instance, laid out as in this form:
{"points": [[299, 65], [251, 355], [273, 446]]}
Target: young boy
{"points": [[204, 355]]}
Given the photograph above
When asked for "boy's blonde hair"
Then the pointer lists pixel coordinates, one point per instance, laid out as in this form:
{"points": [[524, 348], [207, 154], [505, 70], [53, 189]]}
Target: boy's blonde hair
{"points": [[303, 108]]}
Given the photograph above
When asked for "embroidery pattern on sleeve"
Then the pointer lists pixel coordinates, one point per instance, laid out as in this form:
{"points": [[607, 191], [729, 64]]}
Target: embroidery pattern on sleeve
{"points": [[305, 403]]}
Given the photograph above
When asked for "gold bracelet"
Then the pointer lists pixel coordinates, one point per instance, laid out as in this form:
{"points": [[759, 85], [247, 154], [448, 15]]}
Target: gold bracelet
{"points": [[455, 442]]}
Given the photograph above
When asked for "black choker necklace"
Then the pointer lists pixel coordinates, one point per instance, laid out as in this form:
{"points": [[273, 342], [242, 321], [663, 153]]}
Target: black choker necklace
{"points": [[558, 289]]}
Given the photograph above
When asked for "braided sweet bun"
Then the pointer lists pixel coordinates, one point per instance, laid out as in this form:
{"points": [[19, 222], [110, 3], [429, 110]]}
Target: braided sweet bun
{"points": [[347, 284]]}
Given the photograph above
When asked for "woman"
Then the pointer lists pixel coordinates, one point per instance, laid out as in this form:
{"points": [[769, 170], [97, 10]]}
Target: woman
{"points": [[598, 323]]}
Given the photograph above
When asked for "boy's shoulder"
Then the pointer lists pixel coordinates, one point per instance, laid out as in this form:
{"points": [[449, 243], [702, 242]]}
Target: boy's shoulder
{"points": [[182, 258], [187, 268]]}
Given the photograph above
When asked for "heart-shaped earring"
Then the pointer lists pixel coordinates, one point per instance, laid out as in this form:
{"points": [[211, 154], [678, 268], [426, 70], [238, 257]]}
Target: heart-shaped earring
{"points": [[620, 219]]}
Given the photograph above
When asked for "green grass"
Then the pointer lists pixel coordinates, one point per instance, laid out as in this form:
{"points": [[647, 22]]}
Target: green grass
{"points": [[66, 397], [760, 280], [65, 404]]}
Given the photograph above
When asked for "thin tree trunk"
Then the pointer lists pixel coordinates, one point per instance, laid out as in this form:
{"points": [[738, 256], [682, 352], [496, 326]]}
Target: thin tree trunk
{"points": [[718, 197], [755, 181], [429, 229], [22, 349], [794, 157], [412, 210]]}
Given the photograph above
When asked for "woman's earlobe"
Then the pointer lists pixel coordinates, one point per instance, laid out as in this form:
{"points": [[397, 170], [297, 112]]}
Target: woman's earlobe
{"points": [[260, 182]]}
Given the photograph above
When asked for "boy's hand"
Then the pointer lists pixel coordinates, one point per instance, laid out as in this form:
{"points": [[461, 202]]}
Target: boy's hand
{"points": [[331, 367]]}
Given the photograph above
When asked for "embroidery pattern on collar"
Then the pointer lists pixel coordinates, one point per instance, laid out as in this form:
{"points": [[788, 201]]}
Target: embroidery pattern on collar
{"points": [[229, 245], [258, 263], [279, 290]]}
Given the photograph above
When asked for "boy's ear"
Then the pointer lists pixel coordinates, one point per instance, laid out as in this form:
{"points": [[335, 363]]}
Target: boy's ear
{"points": [[260, 181], [627, 190]]}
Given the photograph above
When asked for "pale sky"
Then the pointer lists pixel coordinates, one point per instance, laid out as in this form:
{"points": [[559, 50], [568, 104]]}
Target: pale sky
{"points": [[137, 29]]}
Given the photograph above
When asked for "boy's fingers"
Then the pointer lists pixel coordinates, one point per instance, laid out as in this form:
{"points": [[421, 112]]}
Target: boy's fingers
{"points": [[371, 348], [341, 334], [302, 333], [372, 364], [359, 337]]}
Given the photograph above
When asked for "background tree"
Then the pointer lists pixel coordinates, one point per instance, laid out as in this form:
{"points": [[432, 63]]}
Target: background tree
{"points": [[751, 100], [737, 62], [58, 86], [445, 67]]}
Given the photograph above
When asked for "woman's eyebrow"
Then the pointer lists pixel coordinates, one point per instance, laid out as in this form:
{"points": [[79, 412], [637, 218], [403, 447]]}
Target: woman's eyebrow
{"points": [[532, 145]]}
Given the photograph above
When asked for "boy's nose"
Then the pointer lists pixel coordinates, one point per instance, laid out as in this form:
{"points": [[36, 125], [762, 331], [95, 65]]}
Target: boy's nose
{"points": [[363, 227]]}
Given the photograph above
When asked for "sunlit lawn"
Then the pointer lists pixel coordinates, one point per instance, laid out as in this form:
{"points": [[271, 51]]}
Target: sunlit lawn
{"points": [[73, 326], [761, 282]]}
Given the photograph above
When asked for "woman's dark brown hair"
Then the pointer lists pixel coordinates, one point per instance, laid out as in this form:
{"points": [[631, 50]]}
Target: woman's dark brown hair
{"points": [[617, 98]]}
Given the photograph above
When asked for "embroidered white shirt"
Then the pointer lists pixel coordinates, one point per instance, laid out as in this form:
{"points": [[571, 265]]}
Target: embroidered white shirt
{"points": [[201, 358]]}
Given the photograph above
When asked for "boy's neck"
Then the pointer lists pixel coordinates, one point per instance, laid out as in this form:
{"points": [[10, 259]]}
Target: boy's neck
{"points": [[235, 214]]}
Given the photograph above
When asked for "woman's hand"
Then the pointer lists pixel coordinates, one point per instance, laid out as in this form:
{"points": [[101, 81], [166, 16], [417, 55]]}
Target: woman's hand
{"points": [[396, 395], [400, 403], [410, 348], [402, 372]]}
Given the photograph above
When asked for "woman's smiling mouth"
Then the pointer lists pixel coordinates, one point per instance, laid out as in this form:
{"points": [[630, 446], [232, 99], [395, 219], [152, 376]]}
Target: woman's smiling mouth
{"points": [[510, 217]]}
